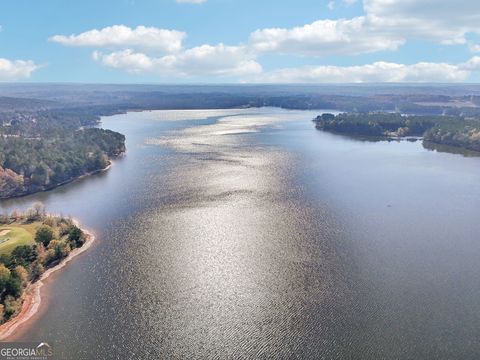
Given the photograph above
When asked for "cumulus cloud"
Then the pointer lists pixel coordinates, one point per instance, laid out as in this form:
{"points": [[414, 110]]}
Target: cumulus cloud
{"points": [[17, 69], [121, 36], [386, 25], [325, 37], [472, 65], [444, 21], [375, 72], [219, 60], [159, 51]]}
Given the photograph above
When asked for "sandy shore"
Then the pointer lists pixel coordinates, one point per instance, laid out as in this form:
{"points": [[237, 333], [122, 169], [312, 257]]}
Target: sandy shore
{"points": [[32, 295]]}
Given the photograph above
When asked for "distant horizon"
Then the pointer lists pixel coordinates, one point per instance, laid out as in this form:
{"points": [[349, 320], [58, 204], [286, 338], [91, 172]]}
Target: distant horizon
{"points": [[193, 84]]}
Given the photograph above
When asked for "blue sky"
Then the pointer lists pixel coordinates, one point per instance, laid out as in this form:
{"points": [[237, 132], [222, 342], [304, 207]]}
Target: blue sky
{"points": [[232, 41]]}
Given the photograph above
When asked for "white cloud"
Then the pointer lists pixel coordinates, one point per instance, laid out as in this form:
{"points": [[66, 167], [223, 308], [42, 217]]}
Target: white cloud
{"points": [[386, 25], [375, 72], [121, 36], [11, 70], [474, 48], [325, 37], [331, 4], [219, 60], [16, 69], [473, 64], [444, 21], [191, 1], [158, 51]]}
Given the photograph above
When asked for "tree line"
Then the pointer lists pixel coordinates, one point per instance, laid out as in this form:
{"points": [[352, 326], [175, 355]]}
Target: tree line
{"points": [[455, 131], [38, 152], [55, 237]]}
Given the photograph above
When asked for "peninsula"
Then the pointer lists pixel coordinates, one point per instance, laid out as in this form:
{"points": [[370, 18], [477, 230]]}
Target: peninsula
{"points": [[456, 131], [32, 246], [41, 149]]}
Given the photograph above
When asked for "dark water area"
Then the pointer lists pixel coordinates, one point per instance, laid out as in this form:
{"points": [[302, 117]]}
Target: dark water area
{"points": [[249, 234]]}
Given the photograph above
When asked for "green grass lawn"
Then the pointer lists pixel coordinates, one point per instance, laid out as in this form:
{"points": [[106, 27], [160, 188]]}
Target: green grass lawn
{"points": [[15, 235]]}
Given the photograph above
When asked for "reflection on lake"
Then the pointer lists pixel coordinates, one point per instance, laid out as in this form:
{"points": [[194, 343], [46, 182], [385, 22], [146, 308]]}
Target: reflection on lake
{"points": [[249, 234], [450, 149], [426, 144]]}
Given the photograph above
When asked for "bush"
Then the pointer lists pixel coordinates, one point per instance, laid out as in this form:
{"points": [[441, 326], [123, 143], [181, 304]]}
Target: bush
{"points": [[39, 209], [41, 253], [12, 305], [23, 255], [4, 219], [5, 260], [31, 215], [44, 235], [22, 274], [4, 276], [14, 287], [50, 256], [36, 270], [50, 221], [60, 247], [63, 229], [2, 313], [75, 235]]}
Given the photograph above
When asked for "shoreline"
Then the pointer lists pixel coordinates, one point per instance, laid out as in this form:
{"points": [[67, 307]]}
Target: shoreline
{"points": [[66, 182], [427, 144], [32, 297]]}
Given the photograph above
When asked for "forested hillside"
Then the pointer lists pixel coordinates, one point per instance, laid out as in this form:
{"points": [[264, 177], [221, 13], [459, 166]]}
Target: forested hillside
{"points": [[40, 149], [455, 131]]}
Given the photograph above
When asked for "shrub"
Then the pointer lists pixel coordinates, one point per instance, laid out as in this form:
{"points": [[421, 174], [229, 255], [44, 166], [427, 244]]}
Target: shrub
{"points": [[6, 260], [63, 229], [22, 274], [14, 287], [4, 276], [23, 255], [36, 270], [12, 305], [2, 313], [60, 247], [50, 221], [75, 235], [44, 235]]}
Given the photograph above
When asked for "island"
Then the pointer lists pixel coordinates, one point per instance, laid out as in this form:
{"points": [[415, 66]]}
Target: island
{"points": [[33, 244], [455, 131]]}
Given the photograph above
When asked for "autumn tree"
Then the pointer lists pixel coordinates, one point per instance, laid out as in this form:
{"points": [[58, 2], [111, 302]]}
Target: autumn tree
{"points": [[39, 208], [4, 276], [36, 270], [22, 274]]}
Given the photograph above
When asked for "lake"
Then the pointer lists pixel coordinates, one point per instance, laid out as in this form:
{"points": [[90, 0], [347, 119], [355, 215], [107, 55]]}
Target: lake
{"points": [[249, 234]]}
